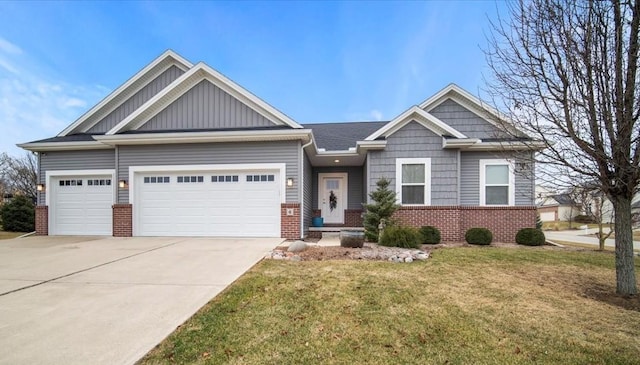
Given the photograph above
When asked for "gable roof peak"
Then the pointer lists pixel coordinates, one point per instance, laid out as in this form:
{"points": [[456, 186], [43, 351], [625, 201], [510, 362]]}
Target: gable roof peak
{"points": [[167, 59]]}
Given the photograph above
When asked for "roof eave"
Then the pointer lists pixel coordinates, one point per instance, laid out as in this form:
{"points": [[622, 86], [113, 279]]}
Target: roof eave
{"points": [[201, 137], [61, 146]]}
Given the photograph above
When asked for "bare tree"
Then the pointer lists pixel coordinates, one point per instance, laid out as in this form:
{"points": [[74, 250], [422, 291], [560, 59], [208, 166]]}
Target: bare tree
{"points": [[567, 73], [19, 174]]}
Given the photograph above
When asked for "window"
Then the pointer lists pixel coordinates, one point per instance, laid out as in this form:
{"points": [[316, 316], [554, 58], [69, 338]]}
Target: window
{"points": [[224, 178], [156, 179], [497, 182], [259, 178], [190, 179], [71, 183], [413, 181]]}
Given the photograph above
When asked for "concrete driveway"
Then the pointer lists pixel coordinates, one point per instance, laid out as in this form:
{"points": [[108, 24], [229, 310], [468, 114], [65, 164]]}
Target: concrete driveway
{"points": [[93, 300]]}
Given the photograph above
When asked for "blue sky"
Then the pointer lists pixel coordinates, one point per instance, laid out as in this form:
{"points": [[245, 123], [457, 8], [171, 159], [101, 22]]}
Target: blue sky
{"points": [[314, 61]]}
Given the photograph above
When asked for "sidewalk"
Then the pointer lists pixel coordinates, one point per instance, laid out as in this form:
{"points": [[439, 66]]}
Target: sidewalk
{"points": [[580, 236]]}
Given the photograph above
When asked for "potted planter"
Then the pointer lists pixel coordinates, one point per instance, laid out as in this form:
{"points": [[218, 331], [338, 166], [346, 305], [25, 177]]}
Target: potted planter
{"points": [[351, 238], [317, 221]]}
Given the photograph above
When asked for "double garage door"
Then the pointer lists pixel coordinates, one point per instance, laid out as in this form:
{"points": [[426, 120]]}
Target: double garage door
{"points": [[213, 203], [177, 203]]}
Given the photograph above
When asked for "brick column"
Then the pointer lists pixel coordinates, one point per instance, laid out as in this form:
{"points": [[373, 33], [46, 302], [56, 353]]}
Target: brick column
{"points": [[122, 220], [42, 220], [290, 223]]}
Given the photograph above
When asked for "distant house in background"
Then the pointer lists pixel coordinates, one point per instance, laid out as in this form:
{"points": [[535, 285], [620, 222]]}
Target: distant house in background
{"points": [[558, 207]]}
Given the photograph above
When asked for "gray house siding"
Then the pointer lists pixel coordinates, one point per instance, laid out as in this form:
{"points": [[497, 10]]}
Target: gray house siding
{"points": [[415, 141], [470, 177], [139, 98], [73, 160], [211, 153], [354, 182], [206, 106], [307, 195], [465, 121]]}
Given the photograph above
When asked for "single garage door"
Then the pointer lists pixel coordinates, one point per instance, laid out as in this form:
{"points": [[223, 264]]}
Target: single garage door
{"points": [[216, 203], [548, 216], [81, 205]]}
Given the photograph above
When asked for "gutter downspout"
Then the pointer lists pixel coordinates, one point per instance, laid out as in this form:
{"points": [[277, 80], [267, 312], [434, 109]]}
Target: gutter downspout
{"points": [[302, 147]]}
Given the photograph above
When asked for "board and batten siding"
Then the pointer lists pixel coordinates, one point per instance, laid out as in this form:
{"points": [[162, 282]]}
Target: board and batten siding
{"points": [[415, 141], [354, 185], [211, 154], [470, 177], [73, 160], [206, 106], [465, 121], [135, 101], [307, 194]]}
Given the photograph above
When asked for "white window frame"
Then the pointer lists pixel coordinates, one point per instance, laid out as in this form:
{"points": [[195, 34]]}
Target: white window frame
{"points": [[427, 179], [483, 185]]}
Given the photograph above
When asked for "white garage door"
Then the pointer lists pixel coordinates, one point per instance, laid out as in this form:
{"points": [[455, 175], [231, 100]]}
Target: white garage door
{"points": [[548, 216], [81, 205], [228, 203]]}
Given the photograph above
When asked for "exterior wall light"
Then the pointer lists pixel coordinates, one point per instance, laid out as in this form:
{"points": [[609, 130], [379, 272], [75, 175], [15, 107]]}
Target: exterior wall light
{"points": [[289, 182], [40, 187], [122, 184]]}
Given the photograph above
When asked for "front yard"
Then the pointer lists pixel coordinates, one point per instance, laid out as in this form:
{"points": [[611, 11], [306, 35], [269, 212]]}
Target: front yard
{"points": [[4, 235], [480, 305]]}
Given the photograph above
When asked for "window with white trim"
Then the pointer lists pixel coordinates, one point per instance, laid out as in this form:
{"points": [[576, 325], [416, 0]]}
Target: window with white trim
{"points": [[413, 181], [497, 182]]}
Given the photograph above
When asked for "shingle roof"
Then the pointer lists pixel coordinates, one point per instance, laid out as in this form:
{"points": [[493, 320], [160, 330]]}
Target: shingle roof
{"points": [[341, 136], [70, 138], [563, 199]]}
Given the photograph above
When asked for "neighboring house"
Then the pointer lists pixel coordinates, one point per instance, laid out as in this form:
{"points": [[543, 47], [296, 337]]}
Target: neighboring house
{"points": [[181, 150], [558, 207], [541, 193]]}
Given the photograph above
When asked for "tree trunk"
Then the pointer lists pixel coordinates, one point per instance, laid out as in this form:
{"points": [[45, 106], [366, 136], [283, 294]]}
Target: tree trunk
{"points": [[625, 269], [601, 236]]}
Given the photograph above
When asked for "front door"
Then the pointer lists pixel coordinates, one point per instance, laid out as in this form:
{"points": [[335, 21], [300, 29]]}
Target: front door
{"points": [[332, 197]]}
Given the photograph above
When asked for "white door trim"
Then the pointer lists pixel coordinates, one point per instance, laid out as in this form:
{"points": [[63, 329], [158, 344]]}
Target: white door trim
{"points": [[50, 174], [345, 190]]}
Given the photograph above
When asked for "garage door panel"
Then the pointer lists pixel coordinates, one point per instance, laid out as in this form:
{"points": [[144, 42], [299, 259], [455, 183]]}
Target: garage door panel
{"points": [[207, 208], [78, 207]]}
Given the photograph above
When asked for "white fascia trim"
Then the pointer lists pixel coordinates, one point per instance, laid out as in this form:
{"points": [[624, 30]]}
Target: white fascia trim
{"points": [[180, 62], [371, 145], [194, 137], [281, 167], [469, 101], [55, 173], [459, 143], [427, 178], [184, 83], [506, 146], [59, 146], [512, 181], [427, 120]]}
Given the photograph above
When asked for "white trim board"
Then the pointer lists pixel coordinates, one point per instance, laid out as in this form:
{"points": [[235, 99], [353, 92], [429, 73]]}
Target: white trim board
{"points": [[55, 173]]}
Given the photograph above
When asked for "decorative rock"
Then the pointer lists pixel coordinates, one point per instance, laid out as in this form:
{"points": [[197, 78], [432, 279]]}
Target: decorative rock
{"points": [[297, 246], [408, 259], [421, 256], [295, 258]]}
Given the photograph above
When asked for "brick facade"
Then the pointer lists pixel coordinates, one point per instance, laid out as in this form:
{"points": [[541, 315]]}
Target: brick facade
{"points": [[290, 224], [122, 220], [42, 220], [453, 222]]}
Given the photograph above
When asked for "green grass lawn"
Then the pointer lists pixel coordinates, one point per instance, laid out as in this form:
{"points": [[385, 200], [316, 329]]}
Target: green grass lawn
{"points": [[480, 305]]}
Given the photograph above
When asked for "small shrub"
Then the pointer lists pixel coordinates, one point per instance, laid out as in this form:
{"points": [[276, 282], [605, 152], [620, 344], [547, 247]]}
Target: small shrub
{"points": [[18, 215], [478, 236], [582, 218], [530, 237], [430, 235], [399, 236]]}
